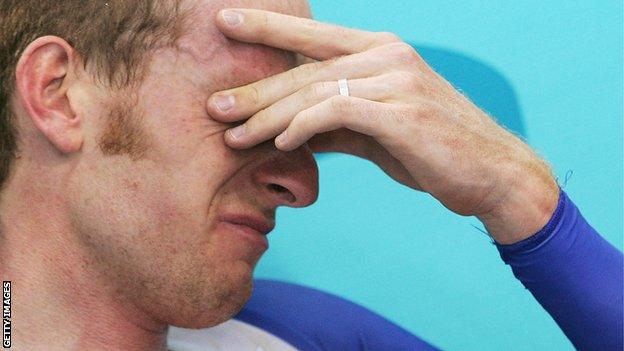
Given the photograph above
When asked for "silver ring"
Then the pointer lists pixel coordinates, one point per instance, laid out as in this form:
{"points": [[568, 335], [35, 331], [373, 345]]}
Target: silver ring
{"points": [[343, 85]]}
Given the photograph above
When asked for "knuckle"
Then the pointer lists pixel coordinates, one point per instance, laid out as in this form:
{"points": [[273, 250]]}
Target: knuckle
{"points": [[300, 121], [297, 118], [403, 51], [388, 37], [327, 89], [262, 27], [308, 93], [304, 72], [253, 94], [401, 78], [310, 28], [339, 103], [261, 118], [409, 81], [315, 91], [327, 86]]}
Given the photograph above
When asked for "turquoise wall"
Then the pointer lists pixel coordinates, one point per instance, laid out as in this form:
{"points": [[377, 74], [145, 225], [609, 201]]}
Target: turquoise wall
{"points": [[552, 72]]}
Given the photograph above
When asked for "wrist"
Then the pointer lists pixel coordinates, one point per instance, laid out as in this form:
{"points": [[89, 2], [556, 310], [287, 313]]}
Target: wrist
{"points": [[527, 207]]}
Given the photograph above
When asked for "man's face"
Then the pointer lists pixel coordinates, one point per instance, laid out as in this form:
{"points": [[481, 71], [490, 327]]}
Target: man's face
{"points": [[153, 220]]}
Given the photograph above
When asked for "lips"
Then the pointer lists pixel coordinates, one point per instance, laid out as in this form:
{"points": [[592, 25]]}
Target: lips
{"points": [[258, 223]]}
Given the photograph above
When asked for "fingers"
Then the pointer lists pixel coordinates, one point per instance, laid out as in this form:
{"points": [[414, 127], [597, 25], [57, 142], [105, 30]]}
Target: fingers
{"points": [[240, 103], [313, 39], [359, 115], [271, 121]]}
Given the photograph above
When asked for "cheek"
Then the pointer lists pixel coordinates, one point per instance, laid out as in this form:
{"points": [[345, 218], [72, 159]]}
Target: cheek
{"points": [[147, 222], [188, 149], [156, 257]]}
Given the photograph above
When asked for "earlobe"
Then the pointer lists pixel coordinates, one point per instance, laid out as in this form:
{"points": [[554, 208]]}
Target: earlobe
{"points": [[43, 77]]}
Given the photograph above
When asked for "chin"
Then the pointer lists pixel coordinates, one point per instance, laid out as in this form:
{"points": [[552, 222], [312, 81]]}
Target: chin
{"points": [[220, 306]]}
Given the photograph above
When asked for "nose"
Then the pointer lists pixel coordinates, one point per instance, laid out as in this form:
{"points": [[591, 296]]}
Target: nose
{"points": [[289, 178]]}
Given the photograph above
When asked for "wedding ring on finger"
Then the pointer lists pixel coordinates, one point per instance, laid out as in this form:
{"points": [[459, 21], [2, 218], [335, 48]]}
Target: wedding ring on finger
{"points": [[343, 85]]}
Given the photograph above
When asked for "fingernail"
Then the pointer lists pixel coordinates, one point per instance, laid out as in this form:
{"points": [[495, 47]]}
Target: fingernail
{"points": [[224, 103], [237, 132], [281, 139], [231, 17]]}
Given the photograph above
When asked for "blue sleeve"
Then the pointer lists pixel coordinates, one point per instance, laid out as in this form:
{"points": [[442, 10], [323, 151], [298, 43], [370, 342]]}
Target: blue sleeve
{"points": [[576, 275], [312, 320]]}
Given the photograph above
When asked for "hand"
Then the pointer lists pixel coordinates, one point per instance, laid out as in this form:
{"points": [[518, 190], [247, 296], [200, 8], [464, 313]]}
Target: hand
{"points": [[400, 115]]}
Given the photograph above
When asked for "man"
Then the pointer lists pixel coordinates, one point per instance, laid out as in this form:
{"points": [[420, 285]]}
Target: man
{"points": [[130, 202]]}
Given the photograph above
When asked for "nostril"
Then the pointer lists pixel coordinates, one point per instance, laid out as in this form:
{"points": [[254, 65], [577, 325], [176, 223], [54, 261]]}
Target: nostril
{"points": [[276, 188], [282, 192]]}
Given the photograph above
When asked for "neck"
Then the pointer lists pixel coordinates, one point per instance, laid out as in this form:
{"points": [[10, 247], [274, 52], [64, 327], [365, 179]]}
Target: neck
{"points": [[59, 300]]}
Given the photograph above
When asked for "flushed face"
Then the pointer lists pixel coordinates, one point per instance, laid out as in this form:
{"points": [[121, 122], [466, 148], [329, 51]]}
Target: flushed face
{"points": [[158, 220]]}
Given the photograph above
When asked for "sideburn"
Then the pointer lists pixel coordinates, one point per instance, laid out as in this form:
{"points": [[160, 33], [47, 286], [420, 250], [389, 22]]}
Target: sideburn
{"points": [[124, 134]]}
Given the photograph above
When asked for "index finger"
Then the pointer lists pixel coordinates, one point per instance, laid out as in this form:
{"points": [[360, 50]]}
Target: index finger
{"points": [[313, 39]]}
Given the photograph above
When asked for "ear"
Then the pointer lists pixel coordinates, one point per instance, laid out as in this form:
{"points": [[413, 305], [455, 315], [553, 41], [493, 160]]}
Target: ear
{"points": [[42, 78]]}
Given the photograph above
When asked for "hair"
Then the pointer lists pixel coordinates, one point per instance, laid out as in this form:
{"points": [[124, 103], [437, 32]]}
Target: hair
{"points": [[112, 37]]}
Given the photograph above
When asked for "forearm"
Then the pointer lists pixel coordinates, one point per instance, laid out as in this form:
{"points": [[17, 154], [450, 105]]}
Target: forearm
{"points": [[576, 275]]}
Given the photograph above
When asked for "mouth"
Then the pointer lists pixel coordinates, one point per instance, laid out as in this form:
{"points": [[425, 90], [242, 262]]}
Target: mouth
{"points": [[253, 228]]}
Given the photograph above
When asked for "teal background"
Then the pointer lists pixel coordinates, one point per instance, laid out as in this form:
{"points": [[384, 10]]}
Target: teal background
{"points": [[403, 255]]}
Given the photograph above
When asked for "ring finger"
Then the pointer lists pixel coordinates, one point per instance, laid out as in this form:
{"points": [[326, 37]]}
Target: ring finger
{"points": [[273, 120]]}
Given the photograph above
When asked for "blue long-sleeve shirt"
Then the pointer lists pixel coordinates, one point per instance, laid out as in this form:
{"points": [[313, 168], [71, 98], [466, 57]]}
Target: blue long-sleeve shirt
{"points": [[574, 273]]}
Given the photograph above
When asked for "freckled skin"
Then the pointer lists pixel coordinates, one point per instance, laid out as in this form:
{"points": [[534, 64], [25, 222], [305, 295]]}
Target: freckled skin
{"points": [[149, 222]]}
